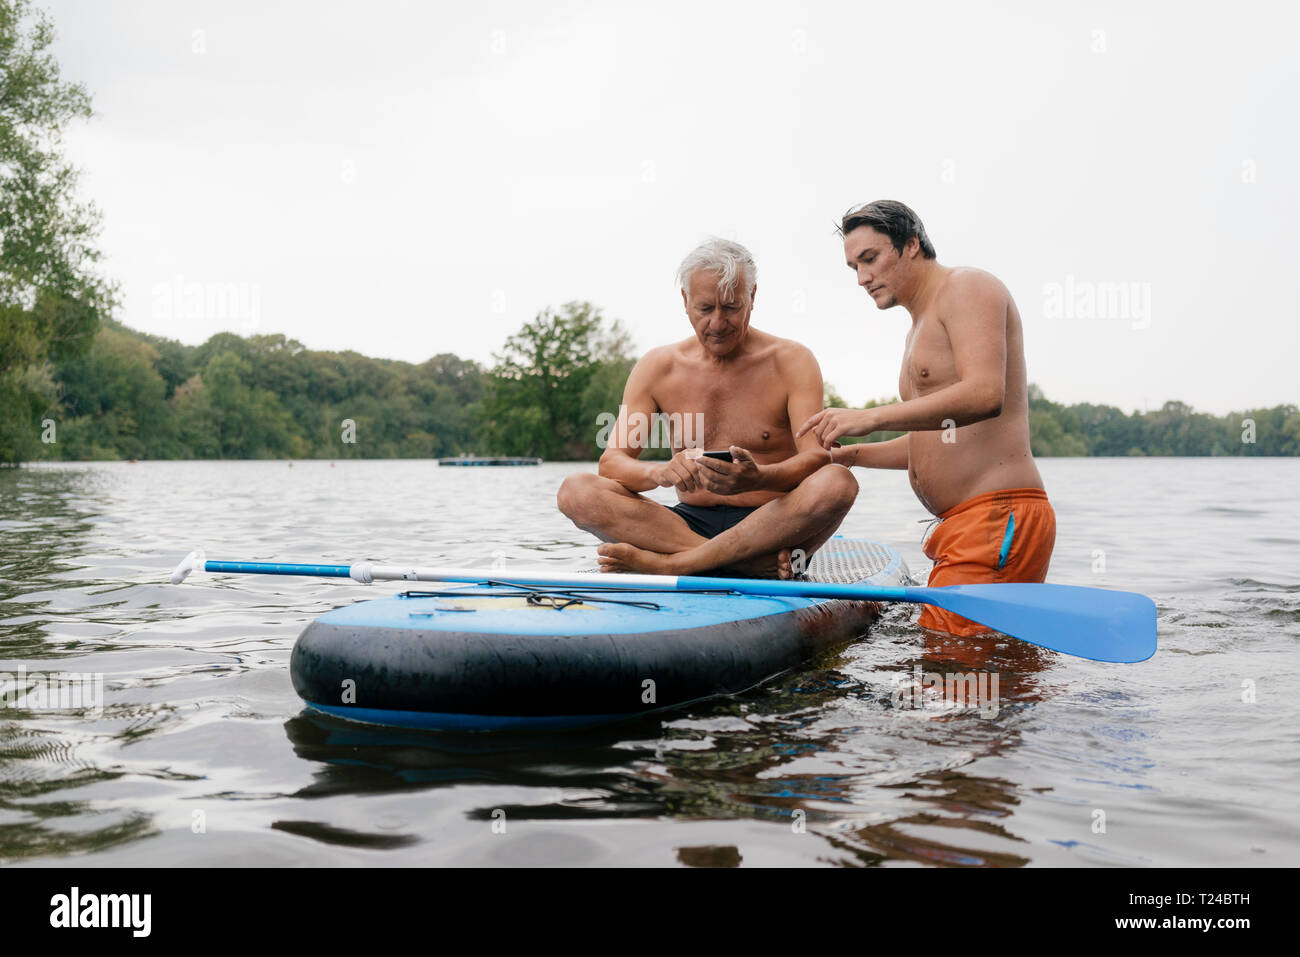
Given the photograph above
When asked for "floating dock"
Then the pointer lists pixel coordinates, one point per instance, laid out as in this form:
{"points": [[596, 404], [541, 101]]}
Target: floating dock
{"points": [[489, 460]]}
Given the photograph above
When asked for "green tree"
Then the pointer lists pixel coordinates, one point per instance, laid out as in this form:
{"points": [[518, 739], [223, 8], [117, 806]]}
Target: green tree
{"points": [[25, 395], [1048, 438], [1291, 432], [539, 403], [51, 298], [115, 402], [447, 397], [220, 416]]}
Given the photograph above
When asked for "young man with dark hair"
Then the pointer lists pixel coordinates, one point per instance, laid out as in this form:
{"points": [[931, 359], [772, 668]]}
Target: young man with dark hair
{"points": [[965, 408]]}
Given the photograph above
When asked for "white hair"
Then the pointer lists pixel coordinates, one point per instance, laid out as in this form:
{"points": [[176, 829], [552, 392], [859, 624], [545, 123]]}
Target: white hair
{"points": [[729, 260]]}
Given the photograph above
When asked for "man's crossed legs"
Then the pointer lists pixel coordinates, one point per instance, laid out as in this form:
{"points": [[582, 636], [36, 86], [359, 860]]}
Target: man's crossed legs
{"points": [[644, 536]]}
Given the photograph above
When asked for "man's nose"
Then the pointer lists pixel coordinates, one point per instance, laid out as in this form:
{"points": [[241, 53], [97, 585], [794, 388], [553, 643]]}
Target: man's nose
{"points": [[864, 277]]}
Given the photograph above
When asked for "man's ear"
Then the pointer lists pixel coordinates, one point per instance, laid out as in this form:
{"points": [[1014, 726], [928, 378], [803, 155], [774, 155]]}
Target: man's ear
{"points": [[912, 247], [753, 294], [685, 301]]}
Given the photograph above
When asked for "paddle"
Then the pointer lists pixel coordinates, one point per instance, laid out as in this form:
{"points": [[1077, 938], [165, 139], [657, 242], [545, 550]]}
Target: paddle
{"points": [[1094, 623]]}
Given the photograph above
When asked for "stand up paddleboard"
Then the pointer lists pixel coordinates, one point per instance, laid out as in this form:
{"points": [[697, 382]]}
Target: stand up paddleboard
{"points": [[485, 657]]}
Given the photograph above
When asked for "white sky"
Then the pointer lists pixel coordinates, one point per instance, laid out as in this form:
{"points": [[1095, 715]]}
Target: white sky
{"points": [[404, 179]]}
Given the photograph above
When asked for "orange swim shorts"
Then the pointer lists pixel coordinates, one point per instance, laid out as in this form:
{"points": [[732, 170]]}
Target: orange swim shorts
{"points": [[1004, 536]]}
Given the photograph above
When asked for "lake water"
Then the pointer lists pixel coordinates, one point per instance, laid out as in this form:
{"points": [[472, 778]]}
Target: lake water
{"points": [[203, 754]]}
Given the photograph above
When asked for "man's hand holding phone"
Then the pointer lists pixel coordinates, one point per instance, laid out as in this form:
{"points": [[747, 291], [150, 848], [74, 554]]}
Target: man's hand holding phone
{"points": [[727, 472]]}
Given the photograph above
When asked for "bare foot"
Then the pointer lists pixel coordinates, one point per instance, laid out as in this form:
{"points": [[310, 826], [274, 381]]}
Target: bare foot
{"points": [[773, 565], [622, 557], [784, 569]]}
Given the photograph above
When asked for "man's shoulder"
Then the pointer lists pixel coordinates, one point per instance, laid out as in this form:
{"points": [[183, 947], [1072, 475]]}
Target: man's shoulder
{"points": [[661, 357], [966, 279], [967, 286], [785, 351]]}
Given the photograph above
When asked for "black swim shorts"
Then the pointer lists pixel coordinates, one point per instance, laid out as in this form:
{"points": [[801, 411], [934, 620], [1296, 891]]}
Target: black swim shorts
{"points": [[711, 521]]}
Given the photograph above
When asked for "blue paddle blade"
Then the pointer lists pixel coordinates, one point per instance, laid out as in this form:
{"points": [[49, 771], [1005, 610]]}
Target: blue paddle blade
{"points": [[1094, 623]]}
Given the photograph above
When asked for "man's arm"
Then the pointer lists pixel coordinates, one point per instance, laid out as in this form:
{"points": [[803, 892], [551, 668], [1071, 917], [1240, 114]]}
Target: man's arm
{"points": [[806, 391], [621, 459], [874, 455], [974, 314], [977, 329]]}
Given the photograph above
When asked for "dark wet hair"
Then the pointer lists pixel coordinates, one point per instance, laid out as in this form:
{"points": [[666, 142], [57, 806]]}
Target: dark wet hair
{"points": [[892, 218]]}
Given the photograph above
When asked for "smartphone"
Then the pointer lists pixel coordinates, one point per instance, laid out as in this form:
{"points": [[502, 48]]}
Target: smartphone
{"points": [[724, 455]]}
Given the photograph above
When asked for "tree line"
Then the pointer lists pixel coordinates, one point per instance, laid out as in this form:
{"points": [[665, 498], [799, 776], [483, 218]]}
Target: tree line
{"points": [[1175, 429], [130, 395]]}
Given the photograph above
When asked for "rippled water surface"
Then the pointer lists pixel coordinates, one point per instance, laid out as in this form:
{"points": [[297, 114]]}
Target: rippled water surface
{"points": [[203, 755]]}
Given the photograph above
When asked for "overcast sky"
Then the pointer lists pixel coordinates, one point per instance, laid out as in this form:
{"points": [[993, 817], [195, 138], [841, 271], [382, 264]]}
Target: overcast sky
{"points": [[404, 179]]}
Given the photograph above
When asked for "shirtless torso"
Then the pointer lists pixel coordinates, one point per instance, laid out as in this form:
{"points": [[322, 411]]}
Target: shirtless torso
{"points": [[965, 403], [747, 401], [950, 466]]}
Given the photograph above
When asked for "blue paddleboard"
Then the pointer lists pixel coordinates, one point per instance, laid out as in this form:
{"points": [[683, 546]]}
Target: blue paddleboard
{"points": [[481, 657]]}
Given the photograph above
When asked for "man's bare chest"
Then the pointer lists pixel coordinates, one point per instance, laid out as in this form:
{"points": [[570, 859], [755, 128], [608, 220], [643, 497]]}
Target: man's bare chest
{"points": [[928, 360], [748, 411]]}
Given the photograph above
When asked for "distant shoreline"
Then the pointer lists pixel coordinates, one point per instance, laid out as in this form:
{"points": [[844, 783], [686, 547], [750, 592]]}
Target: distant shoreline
{"points": [[265, 397], [50, 463]]}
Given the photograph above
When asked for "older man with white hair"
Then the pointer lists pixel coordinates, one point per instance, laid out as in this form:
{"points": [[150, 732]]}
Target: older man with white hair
{"points": [[752, 499]]}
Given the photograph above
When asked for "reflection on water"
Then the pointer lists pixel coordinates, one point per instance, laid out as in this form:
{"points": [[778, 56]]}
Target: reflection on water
{"points": [[732, 758], [202, 753]]}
